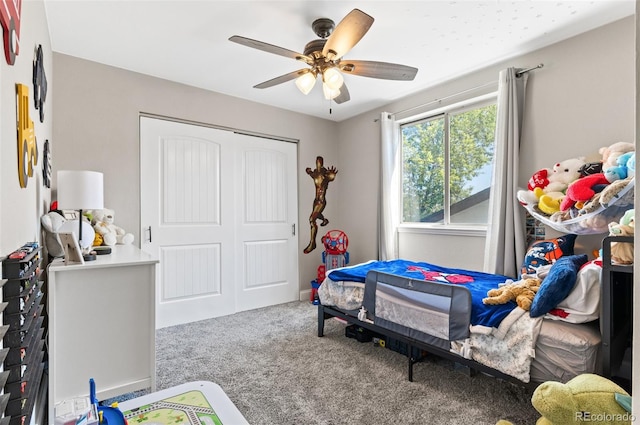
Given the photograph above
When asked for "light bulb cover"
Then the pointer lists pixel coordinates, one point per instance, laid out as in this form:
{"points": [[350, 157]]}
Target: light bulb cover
{"points": [[330, 93], [333, 78], [305, 82]]}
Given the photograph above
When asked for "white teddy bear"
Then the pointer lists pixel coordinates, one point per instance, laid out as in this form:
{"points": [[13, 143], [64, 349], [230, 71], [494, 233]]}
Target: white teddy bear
{"points": [[111, 234], [551, 182]]}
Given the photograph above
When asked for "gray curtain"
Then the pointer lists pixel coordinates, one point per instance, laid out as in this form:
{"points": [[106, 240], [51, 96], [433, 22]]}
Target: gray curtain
{"points": [[505, 245], [388, 216]]}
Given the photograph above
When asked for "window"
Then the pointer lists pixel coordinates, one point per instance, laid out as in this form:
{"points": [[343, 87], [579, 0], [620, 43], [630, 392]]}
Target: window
{"points": [[447, 160]]}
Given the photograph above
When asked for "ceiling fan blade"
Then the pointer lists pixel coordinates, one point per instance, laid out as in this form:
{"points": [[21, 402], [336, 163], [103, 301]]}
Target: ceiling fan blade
{"points": [[270, 48], [281, 79], [343, 96], [383, 70], [346, 34]]}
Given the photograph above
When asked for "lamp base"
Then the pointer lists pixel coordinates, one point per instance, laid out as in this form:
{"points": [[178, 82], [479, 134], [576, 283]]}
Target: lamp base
{"points": [[102, 250], [90, 256]]}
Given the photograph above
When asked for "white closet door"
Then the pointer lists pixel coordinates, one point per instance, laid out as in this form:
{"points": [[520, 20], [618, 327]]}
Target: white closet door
{"points": [[266, 253], [191, 186]]}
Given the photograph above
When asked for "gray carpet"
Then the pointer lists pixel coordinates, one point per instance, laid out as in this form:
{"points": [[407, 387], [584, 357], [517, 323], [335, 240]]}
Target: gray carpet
{"points": [[276, 370]]}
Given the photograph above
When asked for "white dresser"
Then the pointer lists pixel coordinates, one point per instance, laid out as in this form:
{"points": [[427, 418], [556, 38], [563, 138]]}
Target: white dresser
{"points": [[102, 325]]}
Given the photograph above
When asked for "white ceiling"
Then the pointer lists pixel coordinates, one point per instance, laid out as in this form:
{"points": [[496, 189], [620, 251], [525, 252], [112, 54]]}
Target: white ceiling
{"points": [[187, 41]]}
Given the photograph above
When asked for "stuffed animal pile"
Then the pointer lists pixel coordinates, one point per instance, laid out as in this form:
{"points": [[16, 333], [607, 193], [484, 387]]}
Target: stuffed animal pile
{"points": [[551, 182], [574, 188]]}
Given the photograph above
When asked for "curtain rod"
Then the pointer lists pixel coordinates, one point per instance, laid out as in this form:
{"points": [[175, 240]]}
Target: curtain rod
{"points": [[524, 71], [519, 73]]}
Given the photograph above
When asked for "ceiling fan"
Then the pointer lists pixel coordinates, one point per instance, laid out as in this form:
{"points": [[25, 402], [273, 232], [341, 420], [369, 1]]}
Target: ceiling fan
{"points": [[325, 58]]}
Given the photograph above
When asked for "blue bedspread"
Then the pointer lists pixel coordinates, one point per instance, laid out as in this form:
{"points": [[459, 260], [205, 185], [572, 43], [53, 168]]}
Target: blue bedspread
{"points": [[478, 284]]}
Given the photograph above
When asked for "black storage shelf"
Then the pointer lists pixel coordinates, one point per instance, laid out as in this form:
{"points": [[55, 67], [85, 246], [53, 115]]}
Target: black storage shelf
{"points": [[15, 356], [617, 315], [20, 357], [29, 296], [23, 355], [18, 268], [4, 400], [4, 375]]}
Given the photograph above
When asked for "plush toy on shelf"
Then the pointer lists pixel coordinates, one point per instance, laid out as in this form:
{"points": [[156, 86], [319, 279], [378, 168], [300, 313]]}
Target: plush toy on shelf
{"points": [[103, 223], [582, 190], [549, 203], [629, 160], [622, 252], [551, 182], [611, 153]]}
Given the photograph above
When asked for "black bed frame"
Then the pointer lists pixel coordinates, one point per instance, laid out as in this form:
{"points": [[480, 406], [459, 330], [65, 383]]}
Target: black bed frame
{"points": [[328, 312]]}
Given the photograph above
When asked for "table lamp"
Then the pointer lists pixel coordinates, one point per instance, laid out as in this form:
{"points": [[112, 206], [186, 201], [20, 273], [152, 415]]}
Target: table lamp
{"points": [[80, 190]]}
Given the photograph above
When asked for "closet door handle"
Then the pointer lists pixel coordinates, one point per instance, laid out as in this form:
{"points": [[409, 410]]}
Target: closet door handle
{"points": [[149, 234]]}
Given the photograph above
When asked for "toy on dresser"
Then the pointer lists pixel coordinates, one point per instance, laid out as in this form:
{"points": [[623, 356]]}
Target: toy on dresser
{"points": [[111, 234]]}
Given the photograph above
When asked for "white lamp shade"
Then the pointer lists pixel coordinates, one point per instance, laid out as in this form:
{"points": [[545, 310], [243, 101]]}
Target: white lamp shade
{"points": [[329, 93], [305, 82], [333, 78], [80, 190]]}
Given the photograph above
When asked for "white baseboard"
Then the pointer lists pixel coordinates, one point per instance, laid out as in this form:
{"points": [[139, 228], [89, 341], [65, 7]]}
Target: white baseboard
{"points": [[305, 295]]}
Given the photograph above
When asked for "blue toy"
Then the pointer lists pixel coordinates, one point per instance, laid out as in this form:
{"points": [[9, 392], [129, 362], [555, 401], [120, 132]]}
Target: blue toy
{"points": [[107, 415]]}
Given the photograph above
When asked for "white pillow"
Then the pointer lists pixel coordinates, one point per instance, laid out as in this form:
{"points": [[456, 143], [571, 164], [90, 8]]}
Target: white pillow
{"points": [[583, 302]]}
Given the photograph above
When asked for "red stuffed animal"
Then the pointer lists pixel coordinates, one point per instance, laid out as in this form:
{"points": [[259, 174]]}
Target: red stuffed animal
{"points": [[581, 190], [539, 179]]}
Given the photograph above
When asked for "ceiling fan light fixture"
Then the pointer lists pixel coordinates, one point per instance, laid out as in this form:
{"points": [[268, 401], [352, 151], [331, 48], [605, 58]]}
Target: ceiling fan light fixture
{"points": [[333, 78], [330, 93], [324, 58], [305, 82]]}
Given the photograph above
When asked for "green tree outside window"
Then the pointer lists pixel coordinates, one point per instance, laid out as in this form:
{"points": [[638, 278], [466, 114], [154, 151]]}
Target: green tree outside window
{"points": [[467, 138]]}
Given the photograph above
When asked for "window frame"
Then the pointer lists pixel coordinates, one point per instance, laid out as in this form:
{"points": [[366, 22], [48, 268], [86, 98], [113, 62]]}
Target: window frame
{"points": [[445, 228]]}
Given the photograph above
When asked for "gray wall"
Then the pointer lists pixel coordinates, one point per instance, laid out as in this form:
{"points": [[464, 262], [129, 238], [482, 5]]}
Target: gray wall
{"points": [[581, 100], [21, 208], [96, 128]]}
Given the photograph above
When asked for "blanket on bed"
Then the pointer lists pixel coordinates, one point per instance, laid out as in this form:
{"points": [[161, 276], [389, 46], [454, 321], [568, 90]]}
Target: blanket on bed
{"points": [[510, 347], [477, 283]]}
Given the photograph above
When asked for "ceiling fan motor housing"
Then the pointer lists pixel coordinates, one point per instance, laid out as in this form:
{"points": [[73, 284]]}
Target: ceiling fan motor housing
{"points": [[323, 27], [314, 48]]}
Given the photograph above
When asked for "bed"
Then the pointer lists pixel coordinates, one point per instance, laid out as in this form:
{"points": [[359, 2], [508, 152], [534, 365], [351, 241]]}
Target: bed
{"points": [[439, 310]]}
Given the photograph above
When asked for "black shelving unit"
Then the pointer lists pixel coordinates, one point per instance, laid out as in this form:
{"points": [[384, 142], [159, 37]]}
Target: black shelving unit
{"points": [[22, 330], [616, 321]]}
